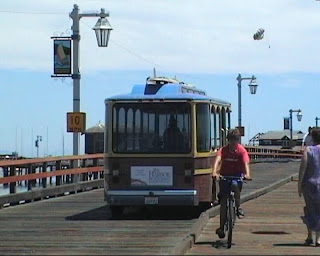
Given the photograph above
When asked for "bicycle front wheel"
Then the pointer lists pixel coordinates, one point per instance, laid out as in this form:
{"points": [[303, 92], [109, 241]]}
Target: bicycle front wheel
{"points": [[231, 216]]}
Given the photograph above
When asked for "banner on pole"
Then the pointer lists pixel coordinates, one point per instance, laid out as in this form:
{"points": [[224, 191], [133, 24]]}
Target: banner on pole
{"points": [[62, 56], [241, 130], [286, 123]]}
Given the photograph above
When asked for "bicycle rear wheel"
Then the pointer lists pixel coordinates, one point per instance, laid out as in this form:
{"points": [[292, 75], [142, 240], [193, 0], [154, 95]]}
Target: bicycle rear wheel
{"points": [[230, 220]]}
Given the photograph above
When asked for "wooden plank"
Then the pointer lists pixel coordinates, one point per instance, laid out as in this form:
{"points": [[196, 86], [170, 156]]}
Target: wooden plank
{"points": [[50, 174], [5, 163]]}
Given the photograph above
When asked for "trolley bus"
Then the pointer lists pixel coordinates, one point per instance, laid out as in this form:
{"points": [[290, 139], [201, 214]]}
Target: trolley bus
{"points": [[160, 141]]}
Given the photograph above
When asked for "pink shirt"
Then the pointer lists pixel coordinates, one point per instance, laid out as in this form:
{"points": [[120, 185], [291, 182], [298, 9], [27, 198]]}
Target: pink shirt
{"points": [[233, 162]]}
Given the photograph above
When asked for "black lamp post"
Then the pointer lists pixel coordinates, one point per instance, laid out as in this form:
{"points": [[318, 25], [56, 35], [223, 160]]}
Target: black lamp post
{"points": [[317, 119], [299, 117], [253, 89]]}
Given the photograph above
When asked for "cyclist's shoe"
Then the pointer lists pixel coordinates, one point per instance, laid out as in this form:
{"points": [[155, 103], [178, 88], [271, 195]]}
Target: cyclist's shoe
{"points": [[308, 241], [240, 213], [220, 233]]}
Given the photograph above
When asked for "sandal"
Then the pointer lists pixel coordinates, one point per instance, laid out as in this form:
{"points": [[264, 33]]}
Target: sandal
{"points": [[309, 241]]}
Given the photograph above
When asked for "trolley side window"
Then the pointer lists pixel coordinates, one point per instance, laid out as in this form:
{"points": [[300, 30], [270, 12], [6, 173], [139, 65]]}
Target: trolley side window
{"points": [[203, 128]]}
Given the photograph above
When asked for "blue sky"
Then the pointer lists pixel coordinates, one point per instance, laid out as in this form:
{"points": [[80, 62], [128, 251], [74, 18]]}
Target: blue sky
{"points": [[205, 42]]}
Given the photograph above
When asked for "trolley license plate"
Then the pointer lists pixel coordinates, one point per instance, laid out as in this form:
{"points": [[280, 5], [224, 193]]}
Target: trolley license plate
{"points": [[151, 200]]}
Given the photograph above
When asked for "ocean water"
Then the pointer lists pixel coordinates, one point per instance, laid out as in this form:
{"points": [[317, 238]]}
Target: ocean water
{"points": [[22, 186]]}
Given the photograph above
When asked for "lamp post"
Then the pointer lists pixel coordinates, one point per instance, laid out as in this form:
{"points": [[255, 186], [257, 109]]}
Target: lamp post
{"points": [[39, 138], [299, 117], [253, 89], [317, 119], [102, 30]]}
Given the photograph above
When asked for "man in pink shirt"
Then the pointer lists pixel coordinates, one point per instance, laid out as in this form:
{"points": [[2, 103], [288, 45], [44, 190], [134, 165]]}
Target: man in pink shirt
{"points": [[233, 160]]}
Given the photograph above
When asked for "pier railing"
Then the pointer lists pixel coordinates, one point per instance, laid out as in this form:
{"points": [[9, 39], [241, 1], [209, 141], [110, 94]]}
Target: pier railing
{"points": [[50, 177], [269, 154], [55, 176]]}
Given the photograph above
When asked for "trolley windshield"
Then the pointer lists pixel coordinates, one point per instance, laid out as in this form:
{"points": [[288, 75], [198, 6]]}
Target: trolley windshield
{"points": [[151, 127]]}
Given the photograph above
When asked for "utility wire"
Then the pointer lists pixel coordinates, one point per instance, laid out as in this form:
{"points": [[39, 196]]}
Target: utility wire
{"points": [[135, 54], [63, 81], [128, 50], [34, 13]]}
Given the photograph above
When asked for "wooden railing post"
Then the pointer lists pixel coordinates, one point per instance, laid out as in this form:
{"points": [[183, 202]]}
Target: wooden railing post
{"points": [[29, 170], [50, 170], [25, 168], [5, 174], [19, 173], [95, 163], [58, 178], [70, 179], [34, 170], [44, 180], [84, 175], [12, 184]]}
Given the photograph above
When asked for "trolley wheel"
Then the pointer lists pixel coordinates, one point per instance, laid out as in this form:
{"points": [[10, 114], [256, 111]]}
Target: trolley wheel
{"points": [[204, 206], [200, 208], [116, 211]]}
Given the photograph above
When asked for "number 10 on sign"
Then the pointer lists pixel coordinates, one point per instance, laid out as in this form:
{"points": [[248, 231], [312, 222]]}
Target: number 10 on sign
{"points": [[76, 122]]}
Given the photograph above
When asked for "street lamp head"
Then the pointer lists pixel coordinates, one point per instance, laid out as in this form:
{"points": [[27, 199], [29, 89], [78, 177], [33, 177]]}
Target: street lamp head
{"points": [[102, 30], [299, 116], [253, 85]]}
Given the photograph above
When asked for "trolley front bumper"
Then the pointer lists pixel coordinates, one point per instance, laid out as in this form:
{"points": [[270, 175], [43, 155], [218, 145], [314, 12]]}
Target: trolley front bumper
{"points": [[152, 197]]}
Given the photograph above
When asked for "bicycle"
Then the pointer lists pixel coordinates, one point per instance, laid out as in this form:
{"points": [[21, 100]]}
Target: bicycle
{"points": [[231, 206]]}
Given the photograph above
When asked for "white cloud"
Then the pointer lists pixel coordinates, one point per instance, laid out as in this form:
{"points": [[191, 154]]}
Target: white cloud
{"points": [[208, 36]]}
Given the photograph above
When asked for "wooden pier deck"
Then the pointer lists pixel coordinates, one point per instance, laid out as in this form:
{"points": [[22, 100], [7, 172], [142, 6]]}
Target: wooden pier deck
{"points": [[272, 226], [81, 224]]}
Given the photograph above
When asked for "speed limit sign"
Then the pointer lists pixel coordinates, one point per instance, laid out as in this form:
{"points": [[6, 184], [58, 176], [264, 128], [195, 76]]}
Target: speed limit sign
{"points": [[76, 122]]}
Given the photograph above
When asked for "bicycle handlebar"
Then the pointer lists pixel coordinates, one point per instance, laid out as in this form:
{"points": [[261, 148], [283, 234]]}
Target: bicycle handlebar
{"points": [[234, 178]]}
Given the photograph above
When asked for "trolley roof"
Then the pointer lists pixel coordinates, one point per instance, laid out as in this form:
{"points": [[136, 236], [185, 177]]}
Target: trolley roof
{"points": [[166, 89]]}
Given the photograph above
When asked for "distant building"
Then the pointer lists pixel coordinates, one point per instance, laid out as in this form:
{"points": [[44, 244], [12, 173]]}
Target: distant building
{"points": [[94, 139], [9, 156], [278, 139]]}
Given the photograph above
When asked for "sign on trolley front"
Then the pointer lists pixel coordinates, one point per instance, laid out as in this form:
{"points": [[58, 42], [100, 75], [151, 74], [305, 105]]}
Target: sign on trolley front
{"points": [[151, 176]]}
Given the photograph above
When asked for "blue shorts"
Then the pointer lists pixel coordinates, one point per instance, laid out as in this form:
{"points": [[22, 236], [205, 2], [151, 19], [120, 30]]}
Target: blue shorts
{"points": [[225, 186]]}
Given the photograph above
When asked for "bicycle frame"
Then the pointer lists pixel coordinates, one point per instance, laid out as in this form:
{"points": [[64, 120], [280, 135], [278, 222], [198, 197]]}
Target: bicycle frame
{"points": [[231, 207]]}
